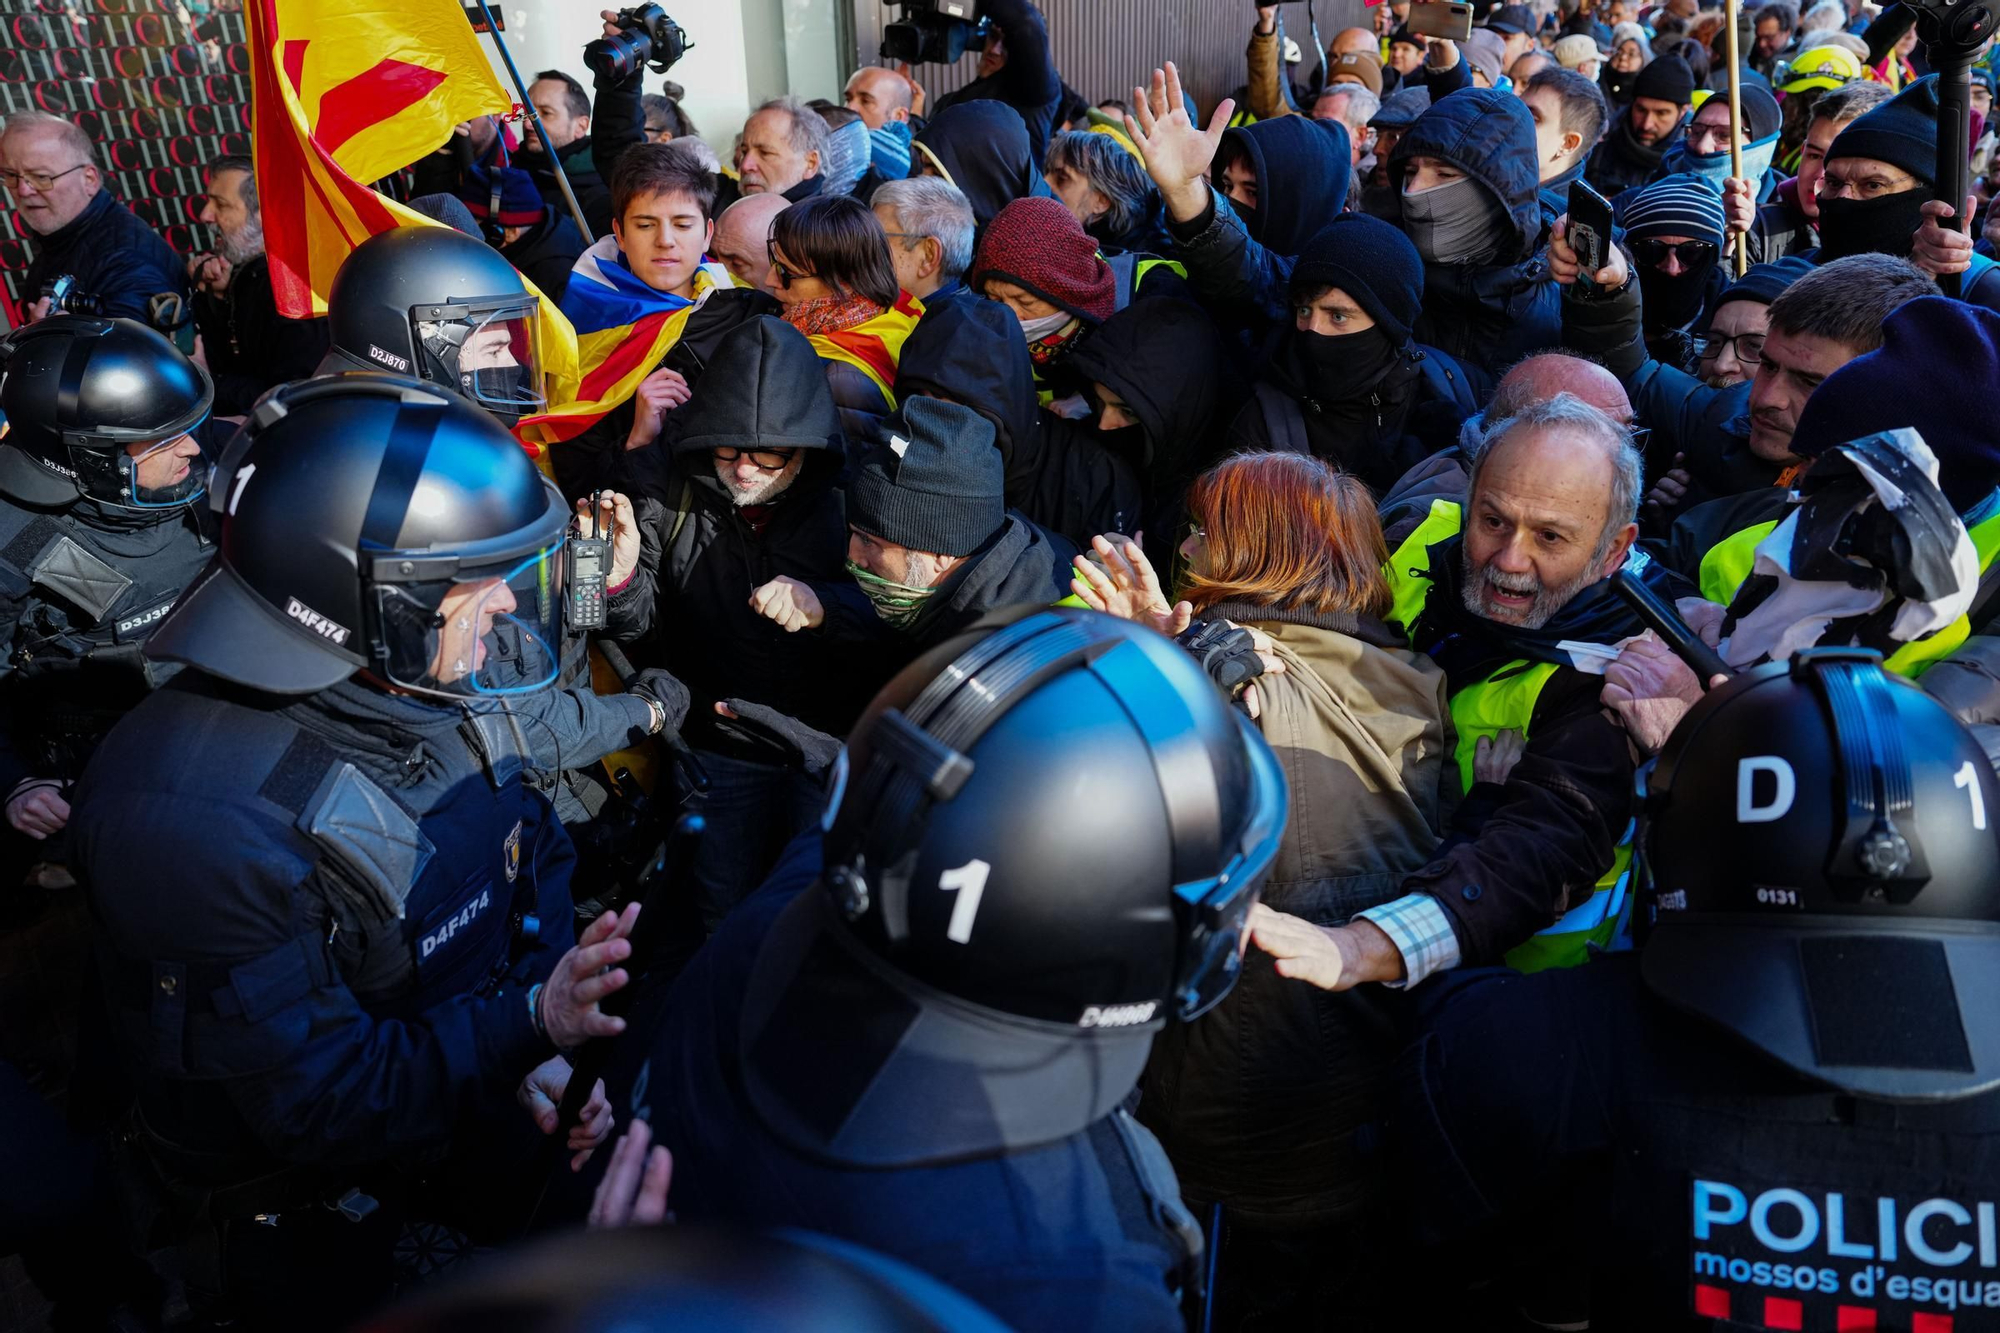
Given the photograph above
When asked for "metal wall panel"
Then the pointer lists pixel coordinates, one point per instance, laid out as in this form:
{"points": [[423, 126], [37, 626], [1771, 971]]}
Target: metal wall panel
{"points": [[1105, 47]]}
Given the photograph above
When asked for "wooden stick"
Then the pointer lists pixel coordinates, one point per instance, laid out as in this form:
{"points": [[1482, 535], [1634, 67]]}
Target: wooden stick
{"points": [[1731, 8]]}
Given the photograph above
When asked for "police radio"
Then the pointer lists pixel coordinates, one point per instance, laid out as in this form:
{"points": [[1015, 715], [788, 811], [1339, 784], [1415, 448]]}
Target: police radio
{"points": [[588, 572]]}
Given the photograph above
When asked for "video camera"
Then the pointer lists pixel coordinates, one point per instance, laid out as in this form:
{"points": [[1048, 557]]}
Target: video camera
{"points": [[646, 37], [931, 32]]}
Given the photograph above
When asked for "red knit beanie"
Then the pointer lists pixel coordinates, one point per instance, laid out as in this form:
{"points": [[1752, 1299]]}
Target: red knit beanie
{"points": [[1036, 245]]}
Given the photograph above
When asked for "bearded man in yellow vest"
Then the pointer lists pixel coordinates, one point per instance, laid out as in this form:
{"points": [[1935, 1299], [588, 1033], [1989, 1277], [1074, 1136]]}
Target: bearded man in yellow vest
{"points": [[1510, 594]]}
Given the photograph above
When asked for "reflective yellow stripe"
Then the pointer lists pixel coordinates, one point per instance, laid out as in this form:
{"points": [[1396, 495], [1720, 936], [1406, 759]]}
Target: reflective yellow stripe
{"points": [[1505, 701], [1409, 566], [1728, 562], [1916, 657], [1148, 265]]}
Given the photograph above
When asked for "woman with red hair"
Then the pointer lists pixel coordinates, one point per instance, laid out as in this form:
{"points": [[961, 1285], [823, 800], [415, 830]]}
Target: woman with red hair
{"points": [[1264, 1103]]}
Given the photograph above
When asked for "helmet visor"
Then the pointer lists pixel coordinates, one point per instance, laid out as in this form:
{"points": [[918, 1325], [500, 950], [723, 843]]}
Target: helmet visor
{"points": [[496, 632], [1215, 913], [491, 354], [158, 474]]}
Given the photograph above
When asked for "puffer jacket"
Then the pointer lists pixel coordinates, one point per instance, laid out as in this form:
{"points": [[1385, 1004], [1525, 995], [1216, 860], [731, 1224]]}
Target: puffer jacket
{"points": [[1488, 316], [1263, 1103]]}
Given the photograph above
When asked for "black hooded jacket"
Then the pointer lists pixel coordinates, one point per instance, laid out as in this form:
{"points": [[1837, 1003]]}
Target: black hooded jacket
{"points": [[1302, 167], [1413, 411], [1166, 360], [1028, 83], [597, 459], [1621, 161], [983, 148], [579, 163], [702, 555], [1488, 316], [1060, 474]]}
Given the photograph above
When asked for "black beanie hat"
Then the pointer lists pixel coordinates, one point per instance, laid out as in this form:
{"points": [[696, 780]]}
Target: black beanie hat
{"points": [[1761, 116], [1374, 263], [1872, 393], [1667, 79], [1764, 283], [931, 480], [1902, 132]]}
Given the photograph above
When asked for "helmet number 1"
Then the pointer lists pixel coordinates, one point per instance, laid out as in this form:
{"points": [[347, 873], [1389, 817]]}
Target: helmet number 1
{"points": [[968, 882], [1966, 777], [236, 492]]}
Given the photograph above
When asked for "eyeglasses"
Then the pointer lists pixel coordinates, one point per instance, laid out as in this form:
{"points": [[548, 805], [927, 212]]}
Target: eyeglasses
{"points": [[1692, 254], [41, 180], [769, 460], [786, 274], [1868, 187], [1749, 347]]}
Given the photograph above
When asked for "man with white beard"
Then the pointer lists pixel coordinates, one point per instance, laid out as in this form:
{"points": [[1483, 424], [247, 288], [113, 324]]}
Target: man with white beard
{"points": [[244, 342]]}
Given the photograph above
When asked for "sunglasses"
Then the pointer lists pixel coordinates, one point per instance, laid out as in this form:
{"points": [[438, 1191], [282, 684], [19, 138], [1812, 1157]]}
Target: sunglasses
{"points": [[770, 460], [1692, 254], [787, 275]]}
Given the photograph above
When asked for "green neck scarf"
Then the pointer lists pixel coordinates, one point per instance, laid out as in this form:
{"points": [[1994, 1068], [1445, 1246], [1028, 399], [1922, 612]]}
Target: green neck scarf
{"points": [[898, 604]]}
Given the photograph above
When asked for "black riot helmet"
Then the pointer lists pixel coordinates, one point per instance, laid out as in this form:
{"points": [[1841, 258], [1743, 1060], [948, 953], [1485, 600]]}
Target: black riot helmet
{"points": [[444, 307], [682, 1278], [1819, 854], [1042, 841], [377, 523], [101, 408]]}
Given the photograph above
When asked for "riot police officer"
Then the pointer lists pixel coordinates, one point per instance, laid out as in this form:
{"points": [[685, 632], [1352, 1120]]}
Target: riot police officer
{"points": [[441, 306], [1781, 1112], [1040, 845], [334, 917], [99, 532]]}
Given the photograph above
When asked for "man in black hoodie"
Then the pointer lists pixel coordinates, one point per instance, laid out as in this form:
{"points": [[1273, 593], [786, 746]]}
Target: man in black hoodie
{"points": [[1015, 68], [753, 524], [931, 542], [982, 148], [970, 352], [1640, 136]]}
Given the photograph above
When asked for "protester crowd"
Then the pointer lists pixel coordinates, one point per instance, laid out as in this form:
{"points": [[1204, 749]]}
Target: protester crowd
{"points": [[1321, 385]]}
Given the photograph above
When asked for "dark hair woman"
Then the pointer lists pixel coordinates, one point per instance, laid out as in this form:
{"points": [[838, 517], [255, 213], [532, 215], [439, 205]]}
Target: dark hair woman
{"points": [[830, 269], [1264, 1103]]}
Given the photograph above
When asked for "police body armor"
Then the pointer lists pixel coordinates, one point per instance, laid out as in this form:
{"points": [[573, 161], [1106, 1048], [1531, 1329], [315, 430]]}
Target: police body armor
{"points": [[81, 601]]}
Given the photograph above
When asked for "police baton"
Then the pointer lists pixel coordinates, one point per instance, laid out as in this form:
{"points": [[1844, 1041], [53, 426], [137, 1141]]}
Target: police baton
{"points": [[1666, 622]]}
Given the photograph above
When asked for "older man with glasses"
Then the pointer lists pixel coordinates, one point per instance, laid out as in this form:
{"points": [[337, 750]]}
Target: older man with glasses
{"points": [[116, 264]]}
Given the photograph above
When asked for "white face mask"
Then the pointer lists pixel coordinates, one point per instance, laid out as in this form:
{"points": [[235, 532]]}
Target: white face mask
{"points": [[1034, 330]]}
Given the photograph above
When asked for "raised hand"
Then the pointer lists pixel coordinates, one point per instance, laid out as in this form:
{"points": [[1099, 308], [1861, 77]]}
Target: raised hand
{"points": [[1177, 151]]}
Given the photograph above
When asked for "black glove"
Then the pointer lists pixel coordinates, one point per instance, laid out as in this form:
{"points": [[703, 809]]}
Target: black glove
{"points": [[1226, 652], [665, 689], [816, 749]]}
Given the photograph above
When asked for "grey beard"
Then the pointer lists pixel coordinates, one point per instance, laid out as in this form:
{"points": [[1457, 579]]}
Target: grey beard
{"points": [[244, 246], [1547, 601]]}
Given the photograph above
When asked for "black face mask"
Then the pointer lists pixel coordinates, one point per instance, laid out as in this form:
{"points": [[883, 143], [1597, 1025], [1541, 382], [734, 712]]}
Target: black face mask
{"points": [[1884, 226], [1672, 302], [1337, 368]]}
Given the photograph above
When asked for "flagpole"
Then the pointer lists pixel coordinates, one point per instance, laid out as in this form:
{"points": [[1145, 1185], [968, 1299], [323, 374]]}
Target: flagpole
{"points": [[514, 73], [1732, 9]]}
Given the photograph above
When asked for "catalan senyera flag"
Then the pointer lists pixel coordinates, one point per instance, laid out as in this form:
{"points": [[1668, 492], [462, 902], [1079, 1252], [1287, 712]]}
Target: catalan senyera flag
{"points": [[623, 329], [875, 345], [349, 91]]}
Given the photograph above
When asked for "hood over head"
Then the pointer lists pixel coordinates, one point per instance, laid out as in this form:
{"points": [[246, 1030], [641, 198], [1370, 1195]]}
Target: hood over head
{"points": [[1490, 136], [982, 148], [971, 351], [1164, 357], [1302, 167], [764, 389]]}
